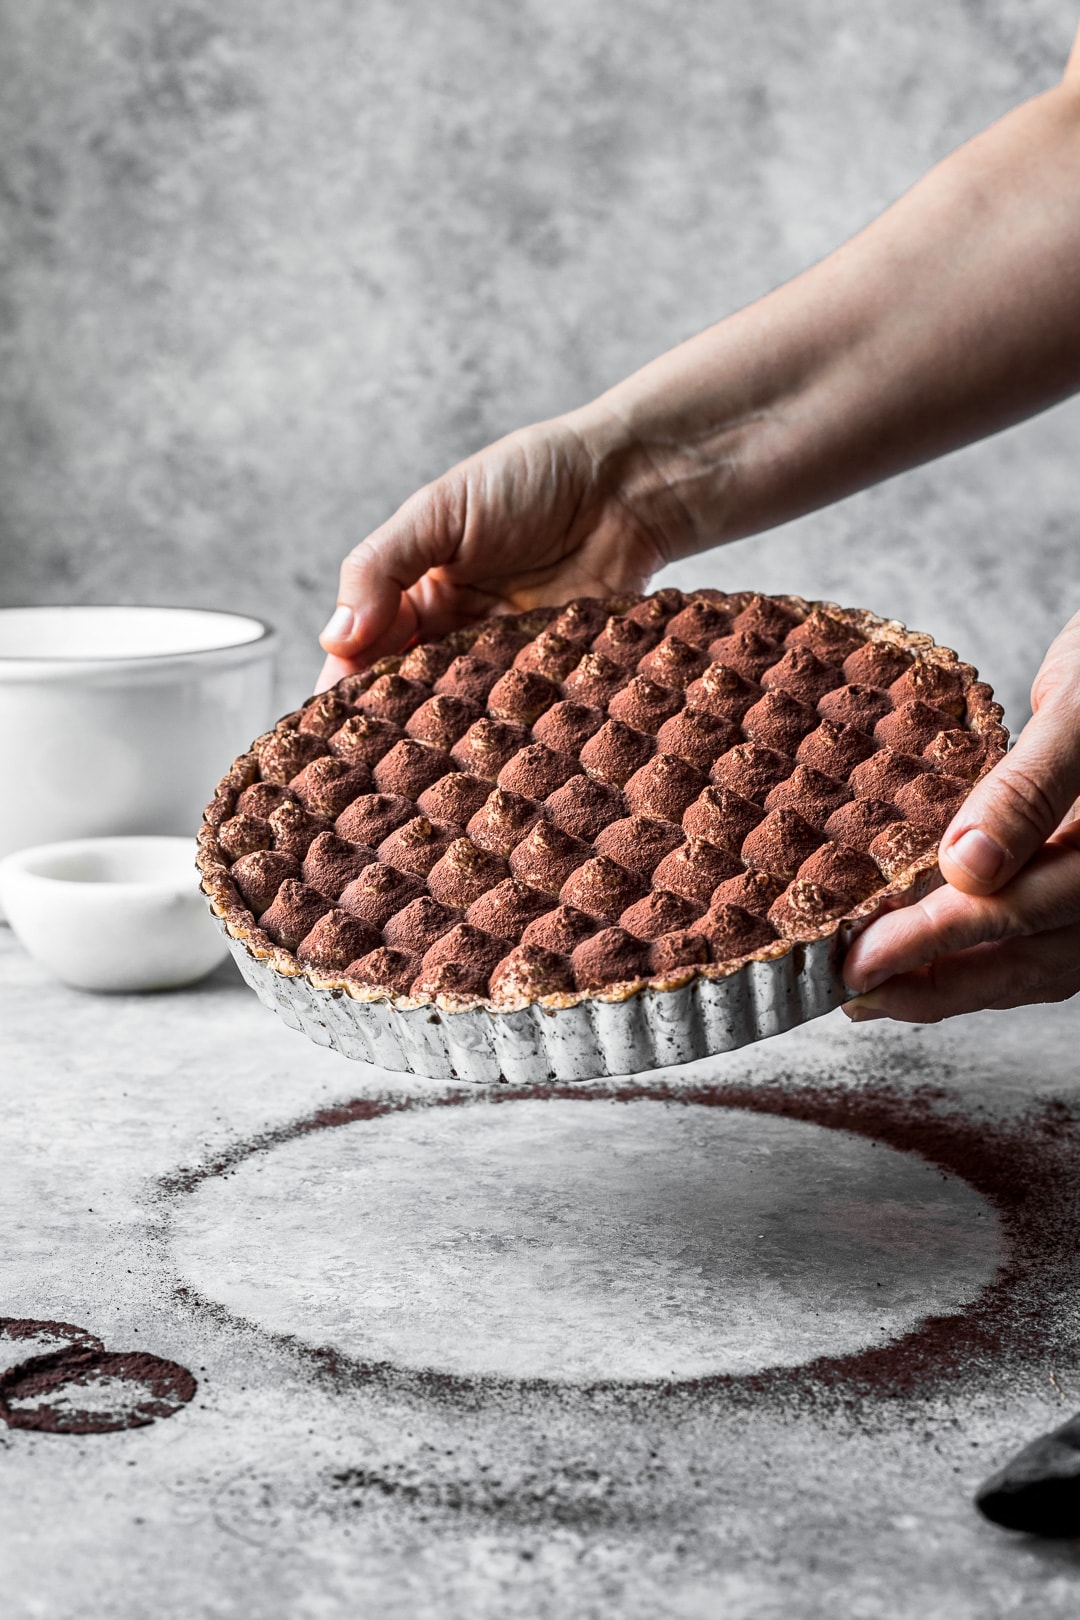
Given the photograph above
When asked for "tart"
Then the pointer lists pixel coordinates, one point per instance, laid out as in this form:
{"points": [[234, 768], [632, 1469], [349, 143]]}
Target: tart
{"points": [[587, 840]]}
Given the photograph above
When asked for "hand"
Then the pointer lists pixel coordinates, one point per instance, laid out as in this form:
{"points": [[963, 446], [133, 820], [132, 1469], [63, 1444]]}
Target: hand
{"points": [[1005, 928], [538, 517]]}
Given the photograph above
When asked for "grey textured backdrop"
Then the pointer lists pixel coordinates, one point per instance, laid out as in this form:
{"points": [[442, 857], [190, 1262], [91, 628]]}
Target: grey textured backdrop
{"points": [[269, 265]]}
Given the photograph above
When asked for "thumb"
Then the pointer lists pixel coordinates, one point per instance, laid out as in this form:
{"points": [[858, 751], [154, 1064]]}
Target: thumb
{"points": [[373, 613], [1014, 809]]}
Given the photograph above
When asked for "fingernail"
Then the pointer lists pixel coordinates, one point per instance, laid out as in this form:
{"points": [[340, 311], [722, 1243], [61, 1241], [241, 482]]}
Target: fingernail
{"points": [[864, 1011], [339, 626], [981, 856], [870, 981]]}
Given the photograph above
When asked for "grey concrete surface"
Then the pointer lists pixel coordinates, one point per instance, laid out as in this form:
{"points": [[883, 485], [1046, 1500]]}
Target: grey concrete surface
{"points": [[267, 267], [148, 1149]]}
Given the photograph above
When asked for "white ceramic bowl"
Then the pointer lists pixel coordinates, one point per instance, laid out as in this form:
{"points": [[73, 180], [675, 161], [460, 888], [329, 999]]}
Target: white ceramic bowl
{"points": [[112, 913], [121, 719]]}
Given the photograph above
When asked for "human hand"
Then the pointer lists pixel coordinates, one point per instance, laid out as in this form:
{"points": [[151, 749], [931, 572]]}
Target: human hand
{"points": [[541, 516], [1004, 930]]}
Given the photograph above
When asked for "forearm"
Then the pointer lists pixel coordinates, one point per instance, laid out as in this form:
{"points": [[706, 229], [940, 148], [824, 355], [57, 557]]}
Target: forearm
{"points": [[954, 314]]}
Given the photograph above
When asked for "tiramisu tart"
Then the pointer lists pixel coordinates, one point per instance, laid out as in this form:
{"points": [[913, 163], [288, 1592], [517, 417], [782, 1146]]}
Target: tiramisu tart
{"points": [[595, 839]]}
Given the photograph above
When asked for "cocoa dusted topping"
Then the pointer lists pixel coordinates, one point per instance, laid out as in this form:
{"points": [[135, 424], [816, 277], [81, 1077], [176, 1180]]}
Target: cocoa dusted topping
{"points": [[351, 687], [262, 797], [673, 662], [699, 623], [363, 739], [836, 750], [722, 817], [584, 805], [470, 678], [657, 913], [241, 834], [331, 863], [499, 644], [830, 638], [442, 719], [384, 969], [624, 641], [980, 711], [522, 695], [487, 746], [530, 972], [463, 873], [323, 715], [802, 674], [426, 662], [751, 770], [843, 872], [884, 774], [502, 821], [731, 932], [337, 939], [550, 655], [259, 876], [645, 705], [508, 909], [723, 691], [419, 924], [765, 616], [295, 828], [898, 847], [639, 842], [861, 706], [457, 796], [780, 843], [663, 787], [327, 785], [753, 891], [547, 857], [856, 824], [698, 737], [939, 685], [410, 767], [567, 726], [612, 956], [393, 697], [616, 752], [746, 652], [657, 609], [911, 727], [379, 892], [955, 753], [813, 793], [282, 753], [779, 721], [292, 913], [537, 771], [677, 950], [581, 619], [595, 680], [373, 817], [459, 963], [694, 869], [804, 910], [561, 930], [876, 663], [417, 845], [931, 801], [601, 887]]}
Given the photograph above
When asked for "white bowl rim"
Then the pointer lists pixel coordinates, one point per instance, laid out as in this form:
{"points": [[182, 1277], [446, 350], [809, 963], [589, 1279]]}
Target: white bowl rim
{"points": [[20, 864], [22, 663]]}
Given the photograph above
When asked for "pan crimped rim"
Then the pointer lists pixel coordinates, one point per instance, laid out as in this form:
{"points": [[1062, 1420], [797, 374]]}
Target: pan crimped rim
{"points": [[983, 717]]}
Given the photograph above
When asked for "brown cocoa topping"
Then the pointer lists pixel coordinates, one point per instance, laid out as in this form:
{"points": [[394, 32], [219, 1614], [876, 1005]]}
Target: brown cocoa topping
{"points": [[616, 752], [844, 872], [679, 949], [699, 623], [814, 794], [856, 824], [663, 787], [547, 857], [537, 770], [282, 753], [372, 817], [470, 952], [295, 829], [426, 662], [765, 616], [419, 924], [673, 662], [442, 719], [328, 785], [463, 873], [487, 746], [581, 619], [522, 695], [722, 817], [259, 876], [457, 797], [956, 753], [657, 609], [384, 969], [601, 888], [262, 797], [876, 663], [830, 638], [723, 691], [911, 727], [753, 891], [624, 641], [323, 715], [470, 678], [804, 909], [241, 834], [746, 652], [380, 891], [331, 863], [410, 767], [550, 655], [417, 845], [751, 770], [567, 726], [698, 737], [393, 697], [836, 750], [583, 806], [644, 705], [930, 801], [502, 821], [780, 843], [499, 644], [292, 913], [861, 706], [529, 972], [639, 843], [779, 721], [939, 685], [610, 957], [895, 849], [803, 674], [337, 939], [560, 930], [884, 774], [731, 932], [508, 909], [694, 869], [364, 739], [595, 680], [657, 913]]}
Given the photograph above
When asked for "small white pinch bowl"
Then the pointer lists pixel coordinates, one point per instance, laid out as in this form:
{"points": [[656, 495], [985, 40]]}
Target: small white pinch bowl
{"points": [[112, 913]]}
